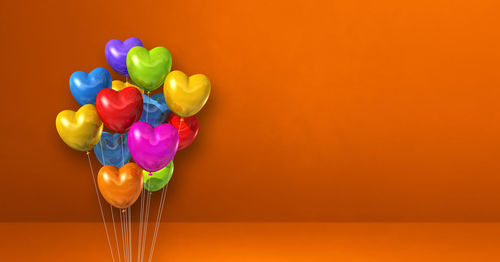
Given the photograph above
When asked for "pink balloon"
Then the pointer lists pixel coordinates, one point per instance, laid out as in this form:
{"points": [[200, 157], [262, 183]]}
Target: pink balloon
{"points": [[152, 148]]}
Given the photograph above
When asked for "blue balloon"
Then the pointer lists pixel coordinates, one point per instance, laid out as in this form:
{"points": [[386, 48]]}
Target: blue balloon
{"points": [[110, 149], [154, 109], [85, 87]]}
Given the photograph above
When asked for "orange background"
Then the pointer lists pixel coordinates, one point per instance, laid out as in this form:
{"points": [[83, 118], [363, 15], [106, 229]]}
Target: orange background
{"points": [[320, 110], [266, 242]]}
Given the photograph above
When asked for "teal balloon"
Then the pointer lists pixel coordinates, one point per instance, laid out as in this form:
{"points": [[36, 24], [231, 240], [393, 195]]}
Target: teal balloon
{"points": [[157, 180]]}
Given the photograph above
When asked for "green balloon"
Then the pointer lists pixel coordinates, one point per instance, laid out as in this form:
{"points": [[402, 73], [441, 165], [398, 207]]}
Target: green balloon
{"points": [[147, 68], [159, 179]]}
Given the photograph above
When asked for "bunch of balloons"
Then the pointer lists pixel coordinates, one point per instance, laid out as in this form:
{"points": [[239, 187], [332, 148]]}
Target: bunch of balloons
{"points": [[148, 129]]}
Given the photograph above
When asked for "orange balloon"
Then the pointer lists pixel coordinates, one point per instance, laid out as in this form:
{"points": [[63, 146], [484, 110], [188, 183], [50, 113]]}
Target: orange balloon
{"points": [[120, 187]]}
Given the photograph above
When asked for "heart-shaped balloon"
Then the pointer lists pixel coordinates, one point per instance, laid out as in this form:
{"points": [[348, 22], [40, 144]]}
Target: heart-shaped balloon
{"points": [[120, 187], [119, 110], [157, 180], [118, 85], [155, 110], [116, 53], [112, 149], [185, 96], [152, 148], [148, 69], [85, 87], [81, 130], [187, 128]]}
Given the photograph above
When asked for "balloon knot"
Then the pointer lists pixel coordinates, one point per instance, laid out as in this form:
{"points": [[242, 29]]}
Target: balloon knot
{"points": [[150, 174], [88, 152], [123, 210], [121, 135]]}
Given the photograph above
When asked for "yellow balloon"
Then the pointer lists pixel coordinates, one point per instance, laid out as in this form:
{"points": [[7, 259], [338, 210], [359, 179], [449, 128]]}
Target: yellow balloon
{"points": [[184, 95], [81, 130], [118, 85]]}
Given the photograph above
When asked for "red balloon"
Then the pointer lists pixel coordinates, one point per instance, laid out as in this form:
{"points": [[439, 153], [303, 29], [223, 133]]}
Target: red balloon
{"points": [[118, 110], [187, 131]]}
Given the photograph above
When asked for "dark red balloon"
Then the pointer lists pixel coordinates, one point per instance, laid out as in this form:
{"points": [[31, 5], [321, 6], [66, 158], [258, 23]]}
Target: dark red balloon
{"points": [[187, 131], [118, 110]]}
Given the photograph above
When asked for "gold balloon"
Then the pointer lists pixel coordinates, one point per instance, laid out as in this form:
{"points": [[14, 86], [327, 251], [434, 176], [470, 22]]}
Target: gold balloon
{"points": [[81, 130], [118, 85], [120, 187], [186, 96]]}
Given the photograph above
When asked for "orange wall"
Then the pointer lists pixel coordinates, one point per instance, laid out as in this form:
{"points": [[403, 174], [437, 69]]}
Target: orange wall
{"points": [[320, 111]]}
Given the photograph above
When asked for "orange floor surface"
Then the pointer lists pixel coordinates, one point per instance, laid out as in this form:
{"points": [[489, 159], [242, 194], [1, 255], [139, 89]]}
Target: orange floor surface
{"points": [[262, 242]]}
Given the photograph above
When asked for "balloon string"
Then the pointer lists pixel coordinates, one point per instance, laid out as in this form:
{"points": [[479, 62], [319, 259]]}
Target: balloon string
{"points": [[102, 153], [158, 221], [123, 236], [114, 230], [100, 207], [160, 209], [123, 158], [147, 106], [125, 229], [146, 218], [127, 213], [130, 232], [179, 128], [140, 226], [125, 216], [127, 233], [145, 225], [148, 197], [124, 240], [111, 210]]}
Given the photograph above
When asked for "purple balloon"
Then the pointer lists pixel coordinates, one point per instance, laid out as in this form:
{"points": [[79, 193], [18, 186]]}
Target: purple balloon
{"points": [[152, 148], [116, 53]]}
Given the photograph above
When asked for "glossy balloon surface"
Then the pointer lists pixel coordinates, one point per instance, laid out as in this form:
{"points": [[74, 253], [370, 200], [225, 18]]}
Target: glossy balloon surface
{"points": [[148, 69], [119, 110], [120, 187], [116, 53], [187, 128], [85, 87], [159, 179], [112, 149], [155, 110], [119, 85], [185, 96], [152, 148], [80, 130]]}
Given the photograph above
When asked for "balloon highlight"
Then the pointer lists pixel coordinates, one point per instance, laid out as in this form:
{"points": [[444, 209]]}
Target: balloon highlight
{"points": [[85, 87], [152, 148], [112, 149], [157, 180], [80, 130], [147, 68], [116, 53], [120, 187], [184, 95]]}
